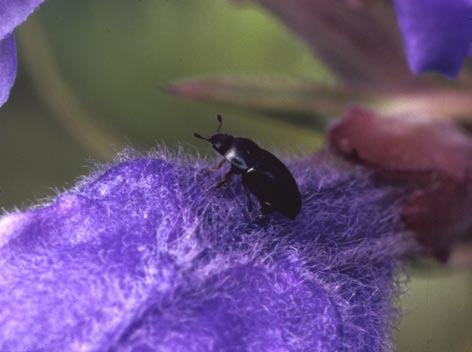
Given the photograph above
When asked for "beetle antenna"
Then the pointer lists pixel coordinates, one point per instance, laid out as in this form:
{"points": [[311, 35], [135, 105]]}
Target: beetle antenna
{"points": [[220, 122], [198, 136]]}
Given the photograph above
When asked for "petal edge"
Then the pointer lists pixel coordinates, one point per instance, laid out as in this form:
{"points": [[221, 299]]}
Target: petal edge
{"points": [[437, 34], [8, 65], [14, 12]]}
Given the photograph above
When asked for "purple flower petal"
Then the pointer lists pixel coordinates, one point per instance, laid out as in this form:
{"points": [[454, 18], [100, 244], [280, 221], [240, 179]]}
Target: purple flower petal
{"points": [[14, 12], [7, 67], [143, 257], [437, 33]]}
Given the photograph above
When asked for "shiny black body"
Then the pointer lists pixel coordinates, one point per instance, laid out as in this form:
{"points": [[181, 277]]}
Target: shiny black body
{"points": [[262, 173]]}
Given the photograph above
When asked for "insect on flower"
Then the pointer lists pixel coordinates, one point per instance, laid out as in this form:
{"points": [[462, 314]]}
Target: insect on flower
{"points": [[262, 173]]}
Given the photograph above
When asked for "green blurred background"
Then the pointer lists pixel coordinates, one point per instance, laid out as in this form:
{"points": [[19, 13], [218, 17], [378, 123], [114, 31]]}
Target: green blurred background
{"points": [[90, 82]]}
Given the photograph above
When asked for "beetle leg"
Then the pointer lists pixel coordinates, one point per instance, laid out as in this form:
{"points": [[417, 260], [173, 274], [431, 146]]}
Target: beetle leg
{"points": [[249, 202], [218, 166], [247, 192], [225, 179], [266, 208]]}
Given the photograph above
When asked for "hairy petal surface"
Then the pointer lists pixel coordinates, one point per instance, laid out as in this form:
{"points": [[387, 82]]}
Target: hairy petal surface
{"points": [[14, 12], [142, 257], [8, 65], [437, 33]]}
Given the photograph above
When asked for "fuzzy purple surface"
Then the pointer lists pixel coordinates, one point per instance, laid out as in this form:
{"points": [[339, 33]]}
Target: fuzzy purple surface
{"points": [[12, 14], [437, 33], [7, 67], [15, 12], [142, 257]]}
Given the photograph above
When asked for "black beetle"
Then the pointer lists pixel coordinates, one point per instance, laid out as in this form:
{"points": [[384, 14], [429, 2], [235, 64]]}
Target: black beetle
{"points": [[262, 173]]}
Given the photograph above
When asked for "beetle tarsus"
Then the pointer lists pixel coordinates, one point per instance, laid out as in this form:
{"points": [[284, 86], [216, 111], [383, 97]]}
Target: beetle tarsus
{"points": [[218, 166], [224, 181], [266, 208], [247, 192]]}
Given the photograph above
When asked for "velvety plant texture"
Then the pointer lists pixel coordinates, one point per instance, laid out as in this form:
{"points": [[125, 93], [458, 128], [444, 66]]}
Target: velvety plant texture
{"points": [[143, 256], [12, 14], [437, 33]]}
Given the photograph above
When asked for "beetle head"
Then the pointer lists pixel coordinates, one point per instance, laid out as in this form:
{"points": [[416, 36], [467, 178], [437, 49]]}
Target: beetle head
{"points": [[221, 142]]}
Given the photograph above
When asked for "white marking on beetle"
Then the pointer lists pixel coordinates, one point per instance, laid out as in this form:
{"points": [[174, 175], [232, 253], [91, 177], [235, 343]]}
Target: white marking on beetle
{"points": [[233, 157]]}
